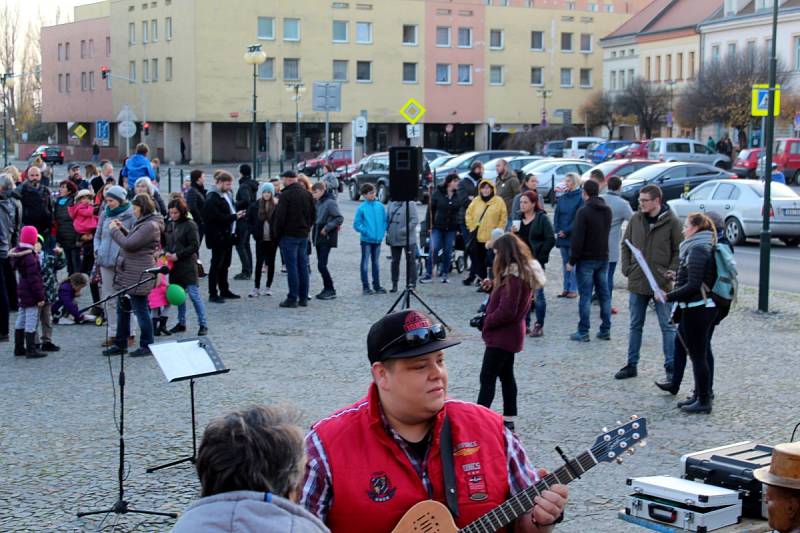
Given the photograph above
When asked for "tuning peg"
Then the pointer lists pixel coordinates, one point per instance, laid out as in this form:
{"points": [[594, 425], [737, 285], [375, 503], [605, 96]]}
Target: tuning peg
{"points": [[631, 451], [642, 444], [619, 422], [604, 430], [619, 460]]}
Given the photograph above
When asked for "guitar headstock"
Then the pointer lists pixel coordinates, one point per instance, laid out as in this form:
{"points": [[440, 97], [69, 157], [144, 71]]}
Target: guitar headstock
{"points": [[614, 444]]}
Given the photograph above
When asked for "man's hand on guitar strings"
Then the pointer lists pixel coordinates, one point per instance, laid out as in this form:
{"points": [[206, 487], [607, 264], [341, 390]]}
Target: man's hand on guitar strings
{"points": [[550, 504]]}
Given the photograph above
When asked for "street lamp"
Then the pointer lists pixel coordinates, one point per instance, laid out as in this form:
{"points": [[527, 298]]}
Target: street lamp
{"points": [[298, 89], [255, 56], [7, 82], [545, 94]]}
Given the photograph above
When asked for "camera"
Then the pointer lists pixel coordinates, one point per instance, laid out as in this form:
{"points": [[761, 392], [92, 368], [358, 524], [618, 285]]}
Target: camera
{"points": [[477, 321]]}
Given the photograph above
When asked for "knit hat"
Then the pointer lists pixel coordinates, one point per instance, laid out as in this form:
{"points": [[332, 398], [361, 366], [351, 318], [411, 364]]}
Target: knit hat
{"points": [[82, 193], [117, 193], [266, 187], [28, 236]]}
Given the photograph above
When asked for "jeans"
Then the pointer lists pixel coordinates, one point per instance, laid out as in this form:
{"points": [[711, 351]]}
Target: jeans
{"points": [[140, 307], [295, 252], [570, 280], [4, 298], [397, 253], [73, 257], [444, 241], [638, 308], [612, 268], [591, 274], [265, 254], [370, 252], [323, 252], [539, 307], [107, 289], [498, 363], [221, 256], [193, 292], [694, 333], [27, 319], [243, 249]]}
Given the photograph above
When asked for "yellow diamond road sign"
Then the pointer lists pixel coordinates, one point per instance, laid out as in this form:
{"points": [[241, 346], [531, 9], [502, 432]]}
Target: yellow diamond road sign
{"points": [[80, 131], [412, 111]]}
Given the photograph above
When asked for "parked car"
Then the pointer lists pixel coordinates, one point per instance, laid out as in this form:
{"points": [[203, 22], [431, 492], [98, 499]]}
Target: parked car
{"points": [[617, 167], [374, 169], [634, 150], [740, 205], [553, 149], [461, 163], [575, 147], [686, 151], [337, 157], [673, 178], [597, 153], [430, 154], [746, 163], [514, 163], [440, 161], [787, 156], [48, 154], [551, 177], [532, 166]]}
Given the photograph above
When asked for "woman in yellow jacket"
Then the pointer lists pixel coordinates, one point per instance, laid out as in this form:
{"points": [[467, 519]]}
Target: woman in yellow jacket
{"points": [[486, 212]]}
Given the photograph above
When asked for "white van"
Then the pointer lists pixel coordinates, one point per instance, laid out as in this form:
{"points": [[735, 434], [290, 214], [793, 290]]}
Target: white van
{"points": [[575, 147]]}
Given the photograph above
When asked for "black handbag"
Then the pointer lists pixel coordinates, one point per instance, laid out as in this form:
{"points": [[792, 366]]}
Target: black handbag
{"points": [[472, 238], [477, 321]]}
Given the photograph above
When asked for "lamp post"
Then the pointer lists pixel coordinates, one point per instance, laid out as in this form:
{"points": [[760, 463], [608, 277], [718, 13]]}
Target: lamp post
{"points": [[766, 210], [298, 89], [7, 80], [255, 56], [545, 94]]}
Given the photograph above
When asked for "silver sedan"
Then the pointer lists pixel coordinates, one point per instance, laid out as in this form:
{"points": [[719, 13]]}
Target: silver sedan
{"points": [[739, 203]]}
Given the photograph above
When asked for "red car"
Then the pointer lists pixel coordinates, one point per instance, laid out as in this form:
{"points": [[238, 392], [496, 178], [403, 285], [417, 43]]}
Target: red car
{"points": [[338, 158], [618, 167], [787, 155], [635, 150], [747, 162]]}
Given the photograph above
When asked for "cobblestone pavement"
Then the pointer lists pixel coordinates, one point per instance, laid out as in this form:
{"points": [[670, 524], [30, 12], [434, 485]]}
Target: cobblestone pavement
{"points": [[59, 444]]}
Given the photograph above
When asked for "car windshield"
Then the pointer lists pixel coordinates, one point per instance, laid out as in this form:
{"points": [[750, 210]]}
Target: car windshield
{"points": [[461, 161], [325, 154], [744, 154], [536, 164], [439, 161], [777, 190], [647, 173], [605, 168], [545, 168]]}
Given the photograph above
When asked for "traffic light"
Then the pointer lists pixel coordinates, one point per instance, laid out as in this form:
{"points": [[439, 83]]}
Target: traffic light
{"points": [[146, 128], [105, 72]]}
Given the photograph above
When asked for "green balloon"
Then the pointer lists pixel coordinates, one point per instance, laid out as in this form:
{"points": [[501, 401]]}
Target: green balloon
{"points": [[175, 294]]}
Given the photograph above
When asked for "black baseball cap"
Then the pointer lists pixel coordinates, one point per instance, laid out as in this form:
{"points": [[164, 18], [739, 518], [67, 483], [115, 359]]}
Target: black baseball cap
{"points": [[406, 334], [72, 166]]}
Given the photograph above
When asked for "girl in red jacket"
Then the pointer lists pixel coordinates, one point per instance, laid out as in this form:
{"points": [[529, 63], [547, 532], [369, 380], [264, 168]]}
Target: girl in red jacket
{"points": [[516, 276]]}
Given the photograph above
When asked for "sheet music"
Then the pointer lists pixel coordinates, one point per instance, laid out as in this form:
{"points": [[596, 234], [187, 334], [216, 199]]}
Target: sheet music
{"points": [[182, 359], [637, 254]]}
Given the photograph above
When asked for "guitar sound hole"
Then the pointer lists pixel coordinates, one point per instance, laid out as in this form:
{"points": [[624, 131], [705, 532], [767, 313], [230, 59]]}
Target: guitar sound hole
{"points": [[426, 524]]}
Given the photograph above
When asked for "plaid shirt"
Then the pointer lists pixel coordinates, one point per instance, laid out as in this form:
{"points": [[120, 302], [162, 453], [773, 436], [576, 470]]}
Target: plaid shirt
{"points": [[318, 487]]}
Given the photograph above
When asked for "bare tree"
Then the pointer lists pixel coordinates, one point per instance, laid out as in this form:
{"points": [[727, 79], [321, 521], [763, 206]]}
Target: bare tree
{"points": [[648, 102], [533, 139], [9, 25], [30, 87], [601, 109]]}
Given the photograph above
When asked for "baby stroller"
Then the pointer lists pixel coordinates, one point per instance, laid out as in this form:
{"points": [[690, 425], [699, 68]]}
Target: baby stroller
{"points": [[458, 259]]}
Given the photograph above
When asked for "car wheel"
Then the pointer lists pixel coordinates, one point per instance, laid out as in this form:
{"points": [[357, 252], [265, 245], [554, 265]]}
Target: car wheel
{"points": [[796, 178], [354, 194], [734, 231], [383, 194], [751, 174], [791, 242], [721, 164]]}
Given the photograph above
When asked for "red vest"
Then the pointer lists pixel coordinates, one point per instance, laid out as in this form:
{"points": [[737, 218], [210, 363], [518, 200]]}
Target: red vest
{"points": [[374, 483]]}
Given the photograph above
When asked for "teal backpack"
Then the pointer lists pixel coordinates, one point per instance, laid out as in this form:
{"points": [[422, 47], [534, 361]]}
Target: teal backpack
{"points": [[726, 287]]}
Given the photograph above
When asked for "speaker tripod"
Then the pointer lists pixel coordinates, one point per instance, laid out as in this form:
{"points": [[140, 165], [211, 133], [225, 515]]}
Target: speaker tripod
{"points": [[404, 298]]}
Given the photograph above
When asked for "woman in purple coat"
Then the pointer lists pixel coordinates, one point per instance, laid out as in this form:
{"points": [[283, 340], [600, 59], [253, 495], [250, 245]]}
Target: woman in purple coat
{"points": [[30, 293]]}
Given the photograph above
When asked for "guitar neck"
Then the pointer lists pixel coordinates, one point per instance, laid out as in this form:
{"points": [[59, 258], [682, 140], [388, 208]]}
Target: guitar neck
{"points": [[523, 502]]}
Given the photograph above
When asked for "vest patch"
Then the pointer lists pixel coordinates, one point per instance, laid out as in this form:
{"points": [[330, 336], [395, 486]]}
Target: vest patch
{"points": [[381, 489], [464, 449]]}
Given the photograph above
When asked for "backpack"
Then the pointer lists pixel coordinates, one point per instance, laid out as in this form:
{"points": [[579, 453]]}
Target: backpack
{"points": [[726, 287]]}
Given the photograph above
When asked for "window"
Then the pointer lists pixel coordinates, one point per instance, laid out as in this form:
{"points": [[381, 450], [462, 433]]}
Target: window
{"points": [[291, 69], [691, 65], [443, 73], [537, 41], [144, 31], [66, 52], [154, 65], [586, 77], [622, 79], [409, 73], [680, 148], [67, 82], [410, 34], [131, 33], [668, 75], [91, 80], [154, 30], [566, 77], [658, 68], [465, 37], [60, 52], [465, 74], [266, 70], [679, 66], [443, 36], [496, 75], [631, 75], [145, 70], [60, 83], [364, 71], [586, 42], [797, 53], [339, 70], [609, 8], [731, 49], [291, 29], [168, 29], [108, 46], [703, 192], [496, 39], [364, 32], [83, 49], [168, 68], [537, 76], [566, 42], [715, 52], [723, 192], [266, 28], [340, 31], [83, 81], [647, 68], [613, 80], [131, 71]]}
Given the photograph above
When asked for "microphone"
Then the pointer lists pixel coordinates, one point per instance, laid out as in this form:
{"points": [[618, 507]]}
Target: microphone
{"points": [[158, 270]]}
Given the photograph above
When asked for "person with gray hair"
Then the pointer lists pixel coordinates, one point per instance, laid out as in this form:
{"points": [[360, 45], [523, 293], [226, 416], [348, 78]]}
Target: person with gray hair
{"points": [[145, 185], [10, 219], [250, 466]]}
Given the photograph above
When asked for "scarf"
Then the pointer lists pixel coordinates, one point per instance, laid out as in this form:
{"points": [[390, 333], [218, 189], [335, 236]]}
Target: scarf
{"points": [[117, 210], [701, 238]]}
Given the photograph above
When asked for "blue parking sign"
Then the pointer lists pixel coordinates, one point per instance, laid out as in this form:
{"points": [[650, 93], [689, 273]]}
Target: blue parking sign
{"points": [[101, 129]]}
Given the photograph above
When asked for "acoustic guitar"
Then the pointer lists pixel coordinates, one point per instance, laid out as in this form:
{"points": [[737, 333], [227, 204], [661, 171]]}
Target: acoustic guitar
{"points": [[433, 517]]}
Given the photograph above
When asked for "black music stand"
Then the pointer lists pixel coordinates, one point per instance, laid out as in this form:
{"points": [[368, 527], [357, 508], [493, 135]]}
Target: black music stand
{"points": [[187, 359]]}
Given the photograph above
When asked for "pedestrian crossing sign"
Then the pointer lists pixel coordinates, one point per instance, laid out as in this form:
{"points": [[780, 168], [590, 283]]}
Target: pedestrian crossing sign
{"points": [[760, 104]]}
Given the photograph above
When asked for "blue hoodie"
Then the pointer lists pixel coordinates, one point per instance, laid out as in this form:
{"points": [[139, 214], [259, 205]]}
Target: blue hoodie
{"points": [[370, 221], [564, 215], [137, 166]]}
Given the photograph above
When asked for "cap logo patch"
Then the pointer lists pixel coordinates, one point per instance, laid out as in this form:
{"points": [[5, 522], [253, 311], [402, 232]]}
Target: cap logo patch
{"points": [[415, 320]]}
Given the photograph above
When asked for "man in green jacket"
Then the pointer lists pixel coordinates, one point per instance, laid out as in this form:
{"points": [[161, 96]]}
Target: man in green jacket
{"points": [[506, 183], [656, 231]]}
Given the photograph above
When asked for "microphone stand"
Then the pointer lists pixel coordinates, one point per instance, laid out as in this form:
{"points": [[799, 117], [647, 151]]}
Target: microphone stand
{"points": [[121, 507]]}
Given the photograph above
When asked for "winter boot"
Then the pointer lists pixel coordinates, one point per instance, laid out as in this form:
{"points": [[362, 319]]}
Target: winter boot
{"points": [[19, 342], [162, 326], [156, 328], [31, 352]]}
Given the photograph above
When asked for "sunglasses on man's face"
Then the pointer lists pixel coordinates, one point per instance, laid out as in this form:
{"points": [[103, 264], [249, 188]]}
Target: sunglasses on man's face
{"points": [[419, 337]]}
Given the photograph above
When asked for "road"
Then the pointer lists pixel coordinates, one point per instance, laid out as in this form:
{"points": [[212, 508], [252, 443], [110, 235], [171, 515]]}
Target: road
{"points": [[784, 266]]}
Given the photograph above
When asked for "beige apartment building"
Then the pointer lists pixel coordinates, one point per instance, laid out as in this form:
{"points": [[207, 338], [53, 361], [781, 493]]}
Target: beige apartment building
{"points": [[178, 64]]}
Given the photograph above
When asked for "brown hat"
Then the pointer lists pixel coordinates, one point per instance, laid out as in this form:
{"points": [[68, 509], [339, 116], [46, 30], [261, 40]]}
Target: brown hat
{"points": [[784, 471]]}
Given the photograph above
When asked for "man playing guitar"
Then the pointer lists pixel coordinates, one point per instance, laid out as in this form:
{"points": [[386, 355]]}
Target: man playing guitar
{"points": [[369, 463]]}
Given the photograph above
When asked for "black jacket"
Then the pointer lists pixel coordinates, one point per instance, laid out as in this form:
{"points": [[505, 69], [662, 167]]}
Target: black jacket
{"points": [[541, 238], [196, 201], [590, 231], [695, 268], [218, 220], [330, 219], [66, 235], [247, 193], [467, 190], [183, 240], [445, 209], [295, 214], [37, 207]]}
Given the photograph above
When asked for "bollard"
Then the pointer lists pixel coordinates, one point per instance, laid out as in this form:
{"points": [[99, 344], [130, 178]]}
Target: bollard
{"points": [[169, 178]]}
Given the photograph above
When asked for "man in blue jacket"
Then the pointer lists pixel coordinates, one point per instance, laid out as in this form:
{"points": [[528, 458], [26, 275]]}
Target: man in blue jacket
{"points": [[138, 165], [563, 220], [370, 223]]}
